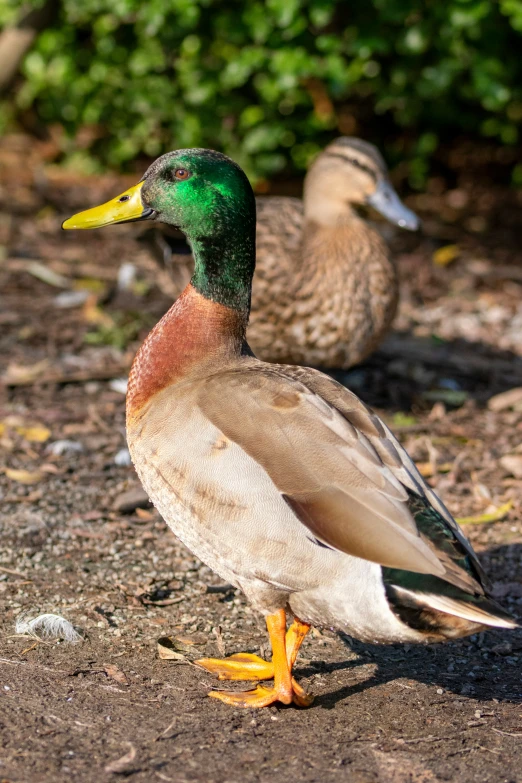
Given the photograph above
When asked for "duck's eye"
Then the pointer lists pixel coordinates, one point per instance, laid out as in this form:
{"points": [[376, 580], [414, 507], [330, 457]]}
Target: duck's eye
{"points": [[124, 198], [181, 174]]}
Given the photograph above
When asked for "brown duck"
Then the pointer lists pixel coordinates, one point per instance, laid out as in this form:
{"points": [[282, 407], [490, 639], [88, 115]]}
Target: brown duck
{"points": [[276, 476], [325, 288]]}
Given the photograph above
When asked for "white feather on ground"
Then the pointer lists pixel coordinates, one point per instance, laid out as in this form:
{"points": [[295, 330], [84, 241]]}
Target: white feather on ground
{"points": [[47, 626]]}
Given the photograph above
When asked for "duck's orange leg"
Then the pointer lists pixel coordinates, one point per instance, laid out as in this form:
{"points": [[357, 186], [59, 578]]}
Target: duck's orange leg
{"points": [[243, 666], [294, 639]]}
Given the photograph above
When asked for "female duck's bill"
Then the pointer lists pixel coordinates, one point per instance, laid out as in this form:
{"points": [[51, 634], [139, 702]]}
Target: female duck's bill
{"points": [[125, 208], [386, 201]]}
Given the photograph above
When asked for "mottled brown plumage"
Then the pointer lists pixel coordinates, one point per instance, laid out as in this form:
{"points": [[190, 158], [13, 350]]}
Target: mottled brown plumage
{"points": [[325, 287]]}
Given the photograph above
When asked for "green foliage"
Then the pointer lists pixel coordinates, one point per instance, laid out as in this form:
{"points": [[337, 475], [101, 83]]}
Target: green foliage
{"points": [[270, 81], [125, 328]]}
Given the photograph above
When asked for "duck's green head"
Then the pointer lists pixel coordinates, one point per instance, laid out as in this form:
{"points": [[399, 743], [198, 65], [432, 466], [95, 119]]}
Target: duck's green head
{"points": [[210, 199]]}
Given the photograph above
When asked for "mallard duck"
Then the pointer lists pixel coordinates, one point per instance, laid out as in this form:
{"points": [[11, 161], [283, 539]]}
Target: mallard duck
{"points": [[325, 288], [276, 476]]}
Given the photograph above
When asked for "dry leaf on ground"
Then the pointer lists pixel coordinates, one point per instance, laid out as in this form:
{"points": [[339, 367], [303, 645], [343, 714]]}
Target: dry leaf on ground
{"points": [[35, 434], [27, 373], [445, 255], [24, 476], [168, 649], [112, 671], [489, 516]]}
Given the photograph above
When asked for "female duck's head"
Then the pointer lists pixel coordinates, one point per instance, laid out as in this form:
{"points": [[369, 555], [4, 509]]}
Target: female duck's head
{"points": [[208, 197], [351, 171]]}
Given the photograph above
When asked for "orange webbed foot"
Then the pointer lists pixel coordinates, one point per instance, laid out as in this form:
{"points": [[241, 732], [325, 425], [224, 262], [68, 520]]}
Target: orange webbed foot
{"points": [[258, 697], [263, 696], [241, 666]]}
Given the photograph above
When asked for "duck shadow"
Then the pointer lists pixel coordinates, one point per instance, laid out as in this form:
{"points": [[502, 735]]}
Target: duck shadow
{"points": [[408, 370], [485, 666]]}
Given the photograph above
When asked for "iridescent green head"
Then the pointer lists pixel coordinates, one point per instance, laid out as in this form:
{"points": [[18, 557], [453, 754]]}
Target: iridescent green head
{"points": [[210, 199]]}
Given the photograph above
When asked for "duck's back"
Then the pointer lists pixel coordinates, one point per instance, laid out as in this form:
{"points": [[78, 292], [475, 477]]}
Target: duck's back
{"points": [[322, 296]]}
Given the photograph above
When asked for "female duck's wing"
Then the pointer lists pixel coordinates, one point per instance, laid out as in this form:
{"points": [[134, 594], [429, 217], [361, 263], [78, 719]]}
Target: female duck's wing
{"points": [[345, 477]]}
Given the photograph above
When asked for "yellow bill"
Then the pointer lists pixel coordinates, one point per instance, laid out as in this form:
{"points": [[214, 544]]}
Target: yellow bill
{"points": [[122, 209]]}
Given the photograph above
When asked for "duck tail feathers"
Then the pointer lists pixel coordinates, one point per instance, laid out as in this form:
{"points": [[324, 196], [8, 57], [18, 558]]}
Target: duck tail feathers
{"points": [[483, 611]]}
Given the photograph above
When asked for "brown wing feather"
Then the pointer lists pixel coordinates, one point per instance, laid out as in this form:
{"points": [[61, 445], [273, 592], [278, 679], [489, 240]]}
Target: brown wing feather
{"points": [[326, 468], [395, 458]]}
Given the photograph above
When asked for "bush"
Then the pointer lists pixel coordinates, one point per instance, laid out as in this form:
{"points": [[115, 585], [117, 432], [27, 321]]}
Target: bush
{"points": [[270, 82]]}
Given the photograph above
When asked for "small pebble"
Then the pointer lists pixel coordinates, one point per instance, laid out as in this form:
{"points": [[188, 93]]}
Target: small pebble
{"points": [[119, 385], [123, 458], [64, 447], [69, 299], [126, 276], [129, 501]]}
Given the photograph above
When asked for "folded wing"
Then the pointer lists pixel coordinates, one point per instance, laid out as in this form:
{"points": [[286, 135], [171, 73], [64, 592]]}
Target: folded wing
{"points": [[340, 470]]}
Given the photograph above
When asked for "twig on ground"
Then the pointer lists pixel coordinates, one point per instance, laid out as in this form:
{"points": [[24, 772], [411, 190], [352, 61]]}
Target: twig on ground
{"points": [[166, 731], [507, 733], [120, 765], [413, 349], [28, 649], [12, 572], [83, 376]]}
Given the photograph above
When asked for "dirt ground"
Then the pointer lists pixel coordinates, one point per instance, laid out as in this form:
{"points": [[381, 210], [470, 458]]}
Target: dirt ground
{"points": [[73, 543]]}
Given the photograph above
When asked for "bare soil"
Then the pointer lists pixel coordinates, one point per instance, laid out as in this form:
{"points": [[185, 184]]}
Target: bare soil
{"points": [[108, 706]]}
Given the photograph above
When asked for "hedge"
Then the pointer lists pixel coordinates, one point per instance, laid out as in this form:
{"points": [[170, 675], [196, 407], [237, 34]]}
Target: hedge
{"points": [[271, 82]]}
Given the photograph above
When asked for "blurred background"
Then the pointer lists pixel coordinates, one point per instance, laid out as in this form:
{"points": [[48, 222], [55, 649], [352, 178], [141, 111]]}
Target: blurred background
{"points": [[109, 82]]}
